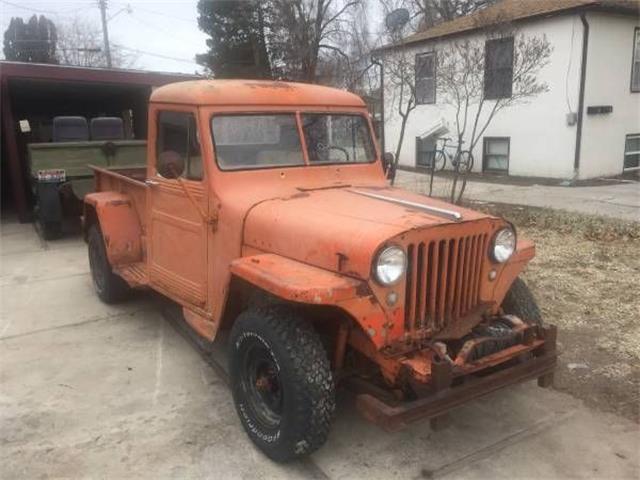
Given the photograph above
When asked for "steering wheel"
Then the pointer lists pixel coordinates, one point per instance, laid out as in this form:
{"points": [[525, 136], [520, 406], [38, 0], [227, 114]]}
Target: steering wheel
{"points": [[343, 150]]}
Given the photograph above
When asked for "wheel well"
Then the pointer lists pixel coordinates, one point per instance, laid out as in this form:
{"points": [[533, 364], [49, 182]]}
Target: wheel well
{"points": [[326, 320], [90, 218]]}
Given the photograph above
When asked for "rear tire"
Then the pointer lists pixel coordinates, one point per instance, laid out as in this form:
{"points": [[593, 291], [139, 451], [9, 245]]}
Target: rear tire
{"points": [[519, 301], [281, 382], [109, 286]]}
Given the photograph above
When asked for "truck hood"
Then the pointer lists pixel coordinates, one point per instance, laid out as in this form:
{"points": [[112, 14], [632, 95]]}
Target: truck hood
{"points": [[340, 229]]}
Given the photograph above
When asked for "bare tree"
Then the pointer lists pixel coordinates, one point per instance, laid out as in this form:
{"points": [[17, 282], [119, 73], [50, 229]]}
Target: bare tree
{"points": [[462, 81], [80, 44], [437, 11], [302, 31]]}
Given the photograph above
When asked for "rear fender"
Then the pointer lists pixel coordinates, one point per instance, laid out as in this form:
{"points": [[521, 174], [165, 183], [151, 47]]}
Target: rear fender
{"points": [[119, 224]]}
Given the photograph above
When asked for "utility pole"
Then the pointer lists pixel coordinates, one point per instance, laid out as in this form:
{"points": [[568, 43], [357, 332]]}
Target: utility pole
{"points": [[105, 32]]}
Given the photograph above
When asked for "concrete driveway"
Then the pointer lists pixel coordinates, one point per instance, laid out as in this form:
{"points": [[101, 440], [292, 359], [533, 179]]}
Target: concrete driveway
{"points": [[620, 200], [95, 391]]}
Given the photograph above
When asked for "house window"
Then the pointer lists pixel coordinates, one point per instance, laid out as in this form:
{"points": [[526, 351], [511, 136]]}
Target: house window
{"points": [[178, 146], [498, 68], [426, 78], [632, 152], [495, 156], [425, 151], [635, 64]]}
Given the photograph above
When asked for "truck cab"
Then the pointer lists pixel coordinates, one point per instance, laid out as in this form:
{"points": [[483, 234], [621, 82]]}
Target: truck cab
{"points": [[264, 210]]}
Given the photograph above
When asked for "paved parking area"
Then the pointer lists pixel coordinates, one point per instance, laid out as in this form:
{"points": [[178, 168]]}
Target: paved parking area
{"points": [[621, 200], [95, 391]]}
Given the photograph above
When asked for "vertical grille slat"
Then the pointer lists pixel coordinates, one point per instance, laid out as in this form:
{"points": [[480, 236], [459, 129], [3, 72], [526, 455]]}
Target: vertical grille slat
{"points": [[424, 285], [443, 281], [442, 284], [433, 284]]}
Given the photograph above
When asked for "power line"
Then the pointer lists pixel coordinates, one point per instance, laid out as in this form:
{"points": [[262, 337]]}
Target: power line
{"points": [[37, 10], [159, 55]]}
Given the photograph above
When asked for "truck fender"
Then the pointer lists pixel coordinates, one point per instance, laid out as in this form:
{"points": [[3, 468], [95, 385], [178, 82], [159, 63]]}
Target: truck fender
{"points": [[119, 224], [525, 251], [295, 281]]}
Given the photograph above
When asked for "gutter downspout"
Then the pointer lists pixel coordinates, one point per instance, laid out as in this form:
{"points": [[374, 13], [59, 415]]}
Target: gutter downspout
{"points": [[583, 77]]}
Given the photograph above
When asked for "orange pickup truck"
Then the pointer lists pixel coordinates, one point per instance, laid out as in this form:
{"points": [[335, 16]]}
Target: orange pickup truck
{"points": [[264, 209]]}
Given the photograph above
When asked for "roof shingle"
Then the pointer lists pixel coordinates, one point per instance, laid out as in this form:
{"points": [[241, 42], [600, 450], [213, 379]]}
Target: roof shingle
{"points": [[513, 10]]}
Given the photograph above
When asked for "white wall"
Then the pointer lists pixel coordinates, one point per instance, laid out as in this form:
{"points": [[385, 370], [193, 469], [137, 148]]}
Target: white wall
{"points": [[608, 83], [542, 144]]}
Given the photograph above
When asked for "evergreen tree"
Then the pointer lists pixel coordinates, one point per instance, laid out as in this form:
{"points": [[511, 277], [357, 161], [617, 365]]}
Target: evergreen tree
{"points": [[237, 46], [34, 41]]}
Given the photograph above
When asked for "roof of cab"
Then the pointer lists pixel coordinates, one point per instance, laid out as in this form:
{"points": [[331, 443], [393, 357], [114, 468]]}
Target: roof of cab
{"points": [[253, 92]]}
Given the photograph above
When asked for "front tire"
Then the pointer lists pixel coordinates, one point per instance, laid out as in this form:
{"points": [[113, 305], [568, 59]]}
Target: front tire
{"points": [[519, 301], [109, 286], [281, 382]]}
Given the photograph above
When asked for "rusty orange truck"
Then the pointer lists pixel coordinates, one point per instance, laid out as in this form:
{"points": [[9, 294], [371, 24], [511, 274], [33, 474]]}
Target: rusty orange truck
{"points": [[264, 210]]}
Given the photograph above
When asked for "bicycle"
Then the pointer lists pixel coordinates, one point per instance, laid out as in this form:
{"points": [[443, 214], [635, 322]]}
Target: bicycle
{"points": [[462, 161]]}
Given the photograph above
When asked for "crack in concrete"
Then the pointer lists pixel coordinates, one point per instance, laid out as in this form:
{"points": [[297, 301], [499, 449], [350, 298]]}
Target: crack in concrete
{"points": [[77, 324]]}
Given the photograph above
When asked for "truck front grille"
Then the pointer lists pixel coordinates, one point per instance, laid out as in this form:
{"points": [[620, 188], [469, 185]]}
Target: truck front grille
{"points": [[443, 281]]}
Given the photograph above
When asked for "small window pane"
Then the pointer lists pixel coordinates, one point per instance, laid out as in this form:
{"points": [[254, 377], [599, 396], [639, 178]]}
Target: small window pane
{"points": [[498, 68], [496, 154], [426, 78], [498, 147], [178, 137], [338, 138], [632, 144], [256, 141], [632, 151]]}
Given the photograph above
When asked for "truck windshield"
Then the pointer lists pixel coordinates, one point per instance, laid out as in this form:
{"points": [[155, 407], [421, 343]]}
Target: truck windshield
{"points": [[272, 140], [337, 138], [256, 141]]}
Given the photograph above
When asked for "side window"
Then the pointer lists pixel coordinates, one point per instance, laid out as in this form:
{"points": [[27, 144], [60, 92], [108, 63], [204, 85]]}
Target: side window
{"points": [[426, 78], [498, 68], [178, 146]]}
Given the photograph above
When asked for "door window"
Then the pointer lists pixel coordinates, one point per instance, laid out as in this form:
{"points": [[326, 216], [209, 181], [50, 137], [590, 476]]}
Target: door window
{"points": [[178, 146]]}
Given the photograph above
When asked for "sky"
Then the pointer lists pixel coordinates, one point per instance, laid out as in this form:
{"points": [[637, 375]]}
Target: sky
{"points": [[162, 34]]}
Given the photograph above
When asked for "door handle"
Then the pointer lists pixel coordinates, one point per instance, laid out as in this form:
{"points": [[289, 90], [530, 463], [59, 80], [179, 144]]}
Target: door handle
{"points": [[151, 183]]}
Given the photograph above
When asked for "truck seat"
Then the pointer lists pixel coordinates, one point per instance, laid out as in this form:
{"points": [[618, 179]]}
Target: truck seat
{"points": [[279, 157], [107, 128], [70, 129]]}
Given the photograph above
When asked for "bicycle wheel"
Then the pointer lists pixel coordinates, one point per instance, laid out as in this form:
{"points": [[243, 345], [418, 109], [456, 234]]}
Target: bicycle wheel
{"points": [[439, 161], [465, 161]]}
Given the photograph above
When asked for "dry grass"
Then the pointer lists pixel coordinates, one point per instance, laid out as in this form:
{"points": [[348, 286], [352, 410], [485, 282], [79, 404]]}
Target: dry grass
{"points": [[585, 276]]}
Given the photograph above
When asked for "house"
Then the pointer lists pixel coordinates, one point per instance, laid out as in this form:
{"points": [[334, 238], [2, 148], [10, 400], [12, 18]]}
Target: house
{"points": [[585, 125]]}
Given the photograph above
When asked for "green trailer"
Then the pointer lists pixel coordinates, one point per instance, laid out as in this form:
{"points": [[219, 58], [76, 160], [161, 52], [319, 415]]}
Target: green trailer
{"points": [[61, 177]]}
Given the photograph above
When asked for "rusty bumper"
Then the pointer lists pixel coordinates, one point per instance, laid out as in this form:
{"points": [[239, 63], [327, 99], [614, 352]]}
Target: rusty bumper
{"points": [[448, 394]]}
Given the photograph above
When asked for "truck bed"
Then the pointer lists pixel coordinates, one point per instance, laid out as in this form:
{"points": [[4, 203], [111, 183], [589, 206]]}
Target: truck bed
{"points": [[128, 181]]}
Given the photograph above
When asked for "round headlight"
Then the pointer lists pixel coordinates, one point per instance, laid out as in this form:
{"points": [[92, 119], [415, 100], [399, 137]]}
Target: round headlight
{"points": [[504, 244], [390, 265]]}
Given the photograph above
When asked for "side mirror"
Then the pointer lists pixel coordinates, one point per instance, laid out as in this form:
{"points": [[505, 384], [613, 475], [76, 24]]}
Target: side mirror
{"points": [[170, 164]]}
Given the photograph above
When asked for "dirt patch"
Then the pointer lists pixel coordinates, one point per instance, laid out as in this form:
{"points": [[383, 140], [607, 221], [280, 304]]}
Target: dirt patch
{"points": [[585, 277]]}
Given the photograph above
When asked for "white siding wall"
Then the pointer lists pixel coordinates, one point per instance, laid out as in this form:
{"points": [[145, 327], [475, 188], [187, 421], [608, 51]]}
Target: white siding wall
{"points": [[608, 83], [542, 144]]}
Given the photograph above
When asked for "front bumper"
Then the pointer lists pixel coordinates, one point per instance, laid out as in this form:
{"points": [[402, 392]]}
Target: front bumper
{"points": [[453, 386]]}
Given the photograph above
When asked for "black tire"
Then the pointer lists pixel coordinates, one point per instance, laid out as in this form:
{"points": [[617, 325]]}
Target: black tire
{"points": [[281, 381], [439, 161], [109, 286], [520, 301]]}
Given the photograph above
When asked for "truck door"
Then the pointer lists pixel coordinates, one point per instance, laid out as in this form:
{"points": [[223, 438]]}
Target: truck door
{"points": [[177, 203]]}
